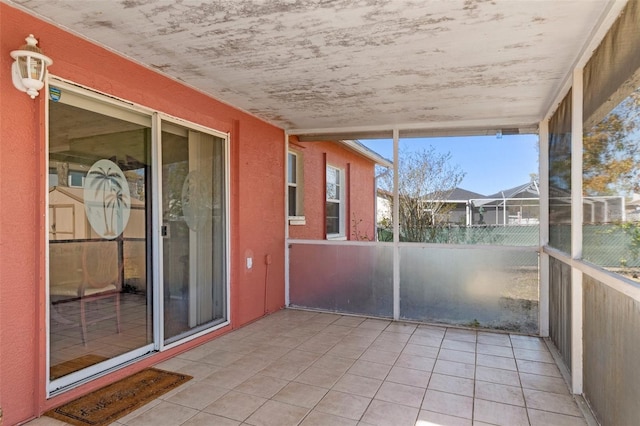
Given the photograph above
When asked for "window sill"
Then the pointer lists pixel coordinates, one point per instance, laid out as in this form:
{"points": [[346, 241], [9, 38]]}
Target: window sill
{"points": [[337, 237], [297, 220]]}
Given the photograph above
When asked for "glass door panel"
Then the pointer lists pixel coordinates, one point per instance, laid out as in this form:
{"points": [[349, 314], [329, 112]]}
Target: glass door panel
{"points": [[194, 240], [99, 265]]}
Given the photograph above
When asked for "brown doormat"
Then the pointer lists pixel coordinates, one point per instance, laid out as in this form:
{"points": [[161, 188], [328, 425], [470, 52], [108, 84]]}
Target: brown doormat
{"points": [[75, 364], [118, 399]]}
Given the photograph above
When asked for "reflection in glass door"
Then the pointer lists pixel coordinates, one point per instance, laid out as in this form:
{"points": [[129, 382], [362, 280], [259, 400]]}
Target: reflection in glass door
{"points": [[100, 296], [193, 229]]}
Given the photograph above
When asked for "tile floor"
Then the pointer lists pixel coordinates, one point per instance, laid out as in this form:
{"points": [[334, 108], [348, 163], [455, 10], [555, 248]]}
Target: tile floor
{"points": [[308, 368]]}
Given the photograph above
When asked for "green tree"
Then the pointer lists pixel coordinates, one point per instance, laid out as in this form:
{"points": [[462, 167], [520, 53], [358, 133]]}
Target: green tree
{"points": [[611, 151], [426, 179]]}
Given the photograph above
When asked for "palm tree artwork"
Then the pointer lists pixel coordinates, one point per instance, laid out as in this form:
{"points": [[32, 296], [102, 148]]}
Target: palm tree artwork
{"points": [[107, 199]]}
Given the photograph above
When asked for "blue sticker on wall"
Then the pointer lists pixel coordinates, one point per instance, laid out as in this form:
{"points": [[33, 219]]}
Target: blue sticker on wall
{"points": [[54, 93]]}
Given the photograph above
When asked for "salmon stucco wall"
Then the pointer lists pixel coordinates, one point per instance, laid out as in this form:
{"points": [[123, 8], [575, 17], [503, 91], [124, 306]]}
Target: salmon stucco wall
{"points": [[257, 152], [360, 190]]}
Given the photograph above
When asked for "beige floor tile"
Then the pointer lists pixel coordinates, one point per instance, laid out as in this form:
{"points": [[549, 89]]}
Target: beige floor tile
{"points": [[454, 369], [497, 375], [299, 356], [451, 384], [527, 342], [457, 356], [339, 363], [407, 376], [500, 393], [263, 386], [316, 418], [358, 385], [533, 355], [324, 318], [195, 354], [365, 333], [241, 347], [172, 364], [346, 351], [505, 351], [540, 368], [251, 363], [334, 363], [198, 395], [415, 362], [447, 403], [382, 413], [461, 335], [374, 324], [545, 418], [221, 358], [459, 345], [343, 405], [561, 404], [284, 370], [287, 341], [494, 339], [400, 394], [386, 346], [227, 378], [321, 377], [360, 337], [349, 321], [235, 405], [428, 340], [300, 394], [198, 370], [270, 352], [336, 330], [430, 330], [316, 346], [163, 414], [379, 356], [139, 411], [205, 419], [544, 383], [496, 362], [373, 370], [275, 413], [499, 414], [420, 350], [401, 327], [432, 418], [394, 336]]}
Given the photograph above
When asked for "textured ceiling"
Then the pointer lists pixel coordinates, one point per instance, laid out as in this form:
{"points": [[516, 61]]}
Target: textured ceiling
{"points": [[315, 65]]}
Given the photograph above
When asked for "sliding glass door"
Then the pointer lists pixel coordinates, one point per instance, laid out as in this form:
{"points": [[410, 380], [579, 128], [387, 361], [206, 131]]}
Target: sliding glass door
{"points": [[193, 231], [137, 246], [100, 292]]}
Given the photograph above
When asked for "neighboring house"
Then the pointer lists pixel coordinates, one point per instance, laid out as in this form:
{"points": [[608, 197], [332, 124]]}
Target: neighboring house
{"points": [[331, 190], [466, 208], [458, 207], [522, 206]]}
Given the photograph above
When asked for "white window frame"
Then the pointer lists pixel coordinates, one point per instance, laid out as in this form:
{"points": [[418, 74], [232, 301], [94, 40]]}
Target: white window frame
{"points": [[341, 235], [298, 218]]}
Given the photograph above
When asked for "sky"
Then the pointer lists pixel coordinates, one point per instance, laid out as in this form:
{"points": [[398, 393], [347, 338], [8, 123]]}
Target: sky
{"points": [[490, 164]]}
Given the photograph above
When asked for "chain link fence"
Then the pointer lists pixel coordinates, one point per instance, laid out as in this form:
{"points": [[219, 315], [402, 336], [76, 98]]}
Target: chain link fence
{"points": [[511, 235]]}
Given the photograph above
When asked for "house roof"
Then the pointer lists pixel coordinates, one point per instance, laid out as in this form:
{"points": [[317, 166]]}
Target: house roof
{"points": [[354, 69], [462, 195], [526, 190], [366, 152]]}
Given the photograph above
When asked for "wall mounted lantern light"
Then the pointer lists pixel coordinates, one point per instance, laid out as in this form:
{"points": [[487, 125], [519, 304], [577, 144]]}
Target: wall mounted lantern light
{"points": [[30, 67]]}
